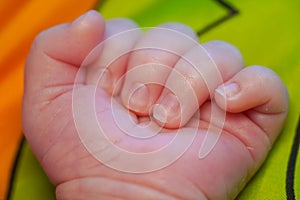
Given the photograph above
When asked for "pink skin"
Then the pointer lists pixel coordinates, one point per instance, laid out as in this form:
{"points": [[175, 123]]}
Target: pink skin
{"points": [[256, 109]]}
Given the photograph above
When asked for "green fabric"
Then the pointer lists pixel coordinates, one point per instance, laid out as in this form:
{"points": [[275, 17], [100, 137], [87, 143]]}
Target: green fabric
{"points": [[30, 182], [266, 32]]}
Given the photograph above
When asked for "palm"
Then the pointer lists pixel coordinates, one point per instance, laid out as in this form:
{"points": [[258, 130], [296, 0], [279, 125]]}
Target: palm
{"points": [[67, 159]]}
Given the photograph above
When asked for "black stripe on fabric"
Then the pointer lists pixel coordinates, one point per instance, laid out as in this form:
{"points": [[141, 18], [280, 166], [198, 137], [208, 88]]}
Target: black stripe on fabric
{"points": [[14, 168], [290, 173], [232, 11]]}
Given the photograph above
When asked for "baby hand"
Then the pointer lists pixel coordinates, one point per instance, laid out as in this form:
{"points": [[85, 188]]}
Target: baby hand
{"points": [[160, 82]]}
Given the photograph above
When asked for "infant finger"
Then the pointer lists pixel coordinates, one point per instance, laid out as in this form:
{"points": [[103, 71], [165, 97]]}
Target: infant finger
{"points": [[149, 65], [258, 91], [57, 53], [110, 65], [50, 74], [193, 81]]}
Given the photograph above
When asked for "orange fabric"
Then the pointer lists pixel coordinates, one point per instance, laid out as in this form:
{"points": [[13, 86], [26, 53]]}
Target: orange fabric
{"points": [[20, 22]]}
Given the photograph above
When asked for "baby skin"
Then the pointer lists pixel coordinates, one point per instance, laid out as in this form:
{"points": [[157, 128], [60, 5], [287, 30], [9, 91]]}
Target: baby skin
{"points": [[165, 86]]}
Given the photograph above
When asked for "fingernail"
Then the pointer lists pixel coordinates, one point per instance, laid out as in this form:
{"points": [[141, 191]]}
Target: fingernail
{"points": [[159, 113], [139, 100], [228, 90], [105, 81], [167, 108]]}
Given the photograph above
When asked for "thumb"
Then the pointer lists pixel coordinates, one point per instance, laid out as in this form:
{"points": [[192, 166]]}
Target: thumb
{"points": [[259, 92]]}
